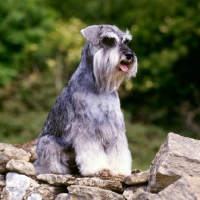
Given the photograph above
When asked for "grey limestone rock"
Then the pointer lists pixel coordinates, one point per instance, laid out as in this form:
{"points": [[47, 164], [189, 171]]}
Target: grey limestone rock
{"points": [[177, 156], [21, 187], [21, 166], [57, 179], [137, 178], [174, 174], [96, 182], [8, 152], [63, 196], [16, 186], [186, 188], [130, 192], [86, 193]]}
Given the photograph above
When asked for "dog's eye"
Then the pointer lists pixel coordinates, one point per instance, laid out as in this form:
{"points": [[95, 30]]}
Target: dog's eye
{"points": [[108, 41], [126, 41]]}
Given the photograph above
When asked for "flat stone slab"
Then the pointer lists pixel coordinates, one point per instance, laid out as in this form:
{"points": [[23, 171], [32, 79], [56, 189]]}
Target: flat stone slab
{"points": [[96, 182], [86, 193], [57, 179], [60, 180], [21, 166], [137, 178]]}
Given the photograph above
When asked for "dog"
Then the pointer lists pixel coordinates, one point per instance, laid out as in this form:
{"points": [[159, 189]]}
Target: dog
{"points": [[85, 131]]}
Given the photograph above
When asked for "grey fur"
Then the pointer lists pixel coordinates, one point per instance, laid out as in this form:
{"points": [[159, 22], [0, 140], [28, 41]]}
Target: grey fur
{"points": [[85, 129]]}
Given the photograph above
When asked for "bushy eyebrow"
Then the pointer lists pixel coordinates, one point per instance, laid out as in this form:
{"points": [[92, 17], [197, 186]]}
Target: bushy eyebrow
{"points": [[127, 37], [110, 35]]}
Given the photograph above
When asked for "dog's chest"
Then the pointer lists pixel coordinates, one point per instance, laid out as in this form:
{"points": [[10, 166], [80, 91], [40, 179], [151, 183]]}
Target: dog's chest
{"points": [[103, 106], [105, 116]]}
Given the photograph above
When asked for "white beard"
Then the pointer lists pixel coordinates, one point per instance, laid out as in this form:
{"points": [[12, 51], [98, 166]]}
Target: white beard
{"points": [[106, 70]]}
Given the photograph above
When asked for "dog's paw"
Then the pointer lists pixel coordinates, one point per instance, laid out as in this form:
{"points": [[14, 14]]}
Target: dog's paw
{"points": [[104, 174]]}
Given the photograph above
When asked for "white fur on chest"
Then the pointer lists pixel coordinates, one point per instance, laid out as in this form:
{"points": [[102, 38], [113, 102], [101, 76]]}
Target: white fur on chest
{"points": [[106, 118], [102, 106]]}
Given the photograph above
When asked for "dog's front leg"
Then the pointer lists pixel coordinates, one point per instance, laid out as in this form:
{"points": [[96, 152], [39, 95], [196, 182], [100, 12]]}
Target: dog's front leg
{"points": [[119, 157], [91, 157]]}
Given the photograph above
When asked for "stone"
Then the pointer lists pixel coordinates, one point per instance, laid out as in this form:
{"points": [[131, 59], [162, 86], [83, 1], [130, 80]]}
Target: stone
{"points": [[35, 196], [97, 182], [63, 196], [174, 174], [67, 179], [177, 156], [16, 186], [8, 152], [86, 193], [20, 187], [2, 181], [137, 178], [138, 193], [185, 188], [46, 191], [130, 192], [21, 166], [57, 179], [141, 195]]}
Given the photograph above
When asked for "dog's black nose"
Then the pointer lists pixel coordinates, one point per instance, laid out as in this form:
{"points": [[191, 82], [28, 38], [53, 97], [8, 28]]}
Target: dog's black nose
{"points": [[128, 55]]}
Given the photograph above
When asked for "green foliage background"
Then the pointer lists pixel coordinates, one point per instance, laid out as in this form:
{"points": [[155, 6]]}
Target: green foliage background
{"points": [[40, 47]]}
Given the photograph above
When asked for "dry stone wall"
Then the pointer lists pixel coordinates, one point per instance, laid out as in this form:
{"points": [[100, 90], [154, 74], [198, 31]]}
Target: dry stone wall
{"points": [[174, 174]]}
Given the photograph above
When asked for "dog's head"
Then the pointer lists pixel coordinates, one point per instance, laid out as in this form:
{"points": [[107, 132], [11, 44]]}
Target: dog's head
{"points": [[113, 60]]}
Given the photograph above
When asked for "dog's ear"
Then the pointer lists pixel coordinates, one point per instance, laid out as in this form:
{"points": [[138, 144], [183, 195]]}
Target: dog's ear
{"points": [[91, 33]]}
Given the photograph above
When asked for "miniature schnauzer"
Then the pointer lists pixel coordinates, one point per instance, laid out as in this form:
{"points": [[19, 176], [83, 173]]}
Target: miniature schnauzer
{"points": [[85, 129]]}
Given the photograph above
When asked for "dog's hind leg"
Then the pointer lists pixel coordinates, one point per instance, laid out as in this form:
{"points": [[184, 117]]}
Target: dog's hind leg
{"points": [[52, 158]]}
